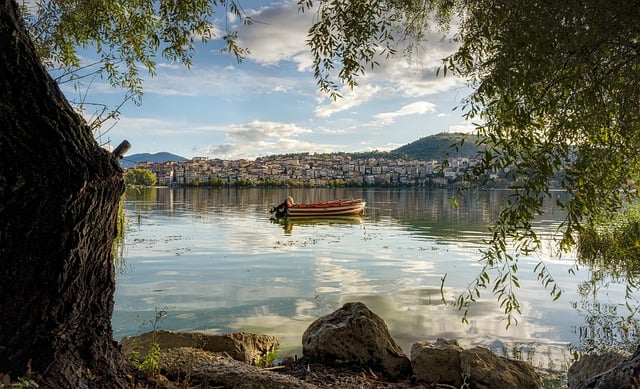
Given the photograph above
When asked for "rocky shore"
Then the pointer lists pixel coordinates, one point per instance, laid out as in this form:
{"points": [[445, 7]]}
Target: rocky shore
{"points": [[352, 348]]}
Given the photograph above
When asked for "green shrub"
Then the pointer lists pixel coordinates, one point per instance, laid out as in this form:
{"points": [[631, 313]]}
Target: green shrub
{"points": [[267, 359]]}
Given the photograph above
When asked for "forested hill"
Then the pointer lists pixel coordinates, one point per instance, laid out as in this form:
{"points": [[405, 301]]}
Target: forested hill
{"points": [[433, 147], [437, 146]]}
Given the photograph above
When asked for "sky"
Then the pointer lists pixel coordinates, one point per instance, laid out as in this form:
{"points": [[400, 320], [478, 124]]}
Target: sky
{"points": [[270, 103]]}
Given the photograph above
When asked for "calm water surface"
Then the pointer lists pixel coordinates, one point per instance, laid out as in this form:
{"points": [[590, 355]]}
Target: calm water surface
{"points": [[216, 262]]}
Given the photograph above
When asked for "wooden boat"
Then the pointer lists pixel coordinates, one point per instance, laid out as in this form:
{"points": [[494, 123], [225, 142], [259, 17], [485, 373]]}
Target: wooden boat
{"points": [[330, 208]]}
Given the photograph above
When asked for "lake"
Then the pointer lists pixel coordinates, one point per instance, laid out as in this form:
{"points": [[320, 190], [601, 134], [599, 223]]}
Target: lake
{"points": [[214, 262]]}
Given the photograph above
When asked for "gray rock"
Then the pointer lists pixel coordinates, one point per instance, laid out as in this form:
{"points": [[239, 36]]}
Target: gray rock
{"points": [[446, 363], [589, 366], [353, 335], [241, 346], [622, 375], [437, 363], [202, 369], [487, 370]]}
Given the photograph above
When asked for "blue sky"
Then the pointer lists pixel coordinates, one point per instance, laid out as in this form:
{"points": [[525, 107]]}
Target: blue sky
{"points": [[270, 103]]}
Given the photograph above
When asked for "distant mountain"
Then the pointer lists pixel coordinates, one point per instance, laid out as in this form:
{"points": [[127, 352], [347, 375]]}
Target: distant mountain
{"points": [[437, 146], [129, 160]]}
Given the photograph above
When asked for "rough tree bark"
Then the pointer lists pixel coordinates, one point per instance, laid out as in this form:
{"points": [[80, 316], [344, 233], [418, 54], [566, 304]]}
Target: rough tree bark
{"points": [[59, 196]]}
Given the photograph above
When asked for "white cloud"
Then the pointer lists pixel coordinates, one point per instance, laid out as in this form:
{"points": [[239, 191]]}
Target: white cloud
{"points": [[144, 127], [262, 138], [397, 77], [415, 76], [465, 127], [260, 148], [385, 147], [150, 127], [280, 89], [417, 108], [350, 98], [304, 61], [291, 145], [210, 80], [278, 34], [214, 32], [258, 131]]}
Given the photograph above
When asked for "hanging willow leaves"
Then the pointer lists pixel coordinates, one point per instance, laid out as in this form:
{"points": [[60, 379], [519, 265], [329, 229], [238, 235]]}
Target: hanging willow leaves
{"points": [[556, 97]]}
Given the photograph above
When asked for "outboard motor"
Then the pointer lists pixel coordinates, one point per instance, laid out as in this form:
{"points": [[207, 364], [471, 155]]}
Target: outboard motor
{"points": [[281, 209]]}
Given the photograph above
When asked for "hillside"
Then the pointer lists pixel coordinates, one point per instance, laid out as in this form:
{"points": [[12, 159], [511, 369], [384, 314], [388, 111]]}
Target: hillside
{"points": [[437, 146], [433, 147], [129, 160]]}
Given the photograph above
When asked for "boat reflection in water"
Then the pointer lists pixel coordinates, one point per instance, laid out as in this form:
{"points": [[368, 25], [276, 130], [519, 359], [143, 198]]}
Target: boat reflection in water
{"points": [[306, 221]]}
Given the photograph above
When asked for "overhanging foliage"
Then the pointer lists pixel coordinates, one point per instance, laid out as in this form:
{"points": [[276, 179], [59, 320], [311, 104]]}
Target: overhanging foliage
{"points": [[555, 96]]}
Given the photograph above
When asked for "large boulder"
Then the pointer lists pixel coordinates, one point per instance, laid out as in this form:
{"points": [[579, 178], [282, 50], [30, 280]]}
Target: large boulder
{"points": [[437, 362], [445, 362], [241, 346], [488, 370], [590, 365], [625, 374], [353, 335]]}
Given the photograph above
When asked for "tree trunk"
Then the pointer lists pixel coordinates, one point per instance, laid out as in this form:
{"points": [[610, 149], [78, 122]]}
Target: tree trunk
{"points": [[59, 195]]}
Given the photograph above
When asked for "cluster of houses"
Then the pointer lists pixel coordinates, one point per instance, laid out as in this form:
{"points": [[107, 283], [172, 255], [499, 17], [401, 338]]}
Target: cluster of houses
{"points": [[309, 170]]}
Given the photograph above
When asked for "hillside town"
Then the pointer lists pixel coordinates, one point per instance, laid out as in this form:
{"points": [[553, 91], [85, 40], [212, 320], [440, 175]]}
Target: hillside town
{"points": [[309, 170]]}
